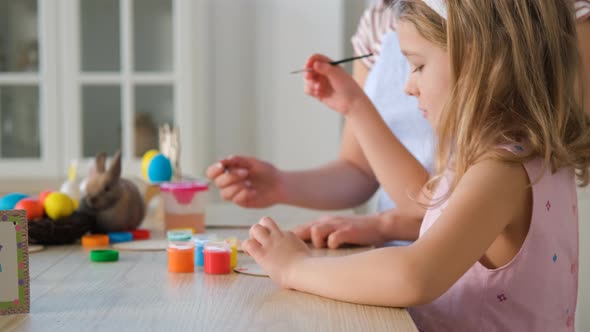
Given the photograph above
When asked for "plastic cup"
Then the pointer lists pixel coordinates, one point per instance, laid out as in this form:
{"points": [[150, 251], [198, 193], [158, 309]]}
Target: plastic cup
{"points": [[184, 205]]}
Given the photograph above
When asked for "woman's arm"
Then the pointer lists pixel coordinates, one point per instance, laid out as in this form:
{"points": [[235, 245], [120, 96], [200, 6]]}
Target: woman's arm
{"points": [[343, 183]]}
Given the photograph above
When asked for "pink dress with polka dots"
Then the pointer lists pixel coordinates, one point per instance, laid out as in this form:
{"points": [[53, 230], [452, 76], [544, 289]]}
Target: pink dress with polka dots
{"points": [[537, 290]]}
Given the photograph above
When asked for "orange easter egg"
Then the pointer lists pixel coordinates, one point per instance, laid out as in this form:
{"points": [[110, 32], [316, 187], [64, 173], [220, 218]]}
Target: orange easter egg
{"points": [[33, 207]]}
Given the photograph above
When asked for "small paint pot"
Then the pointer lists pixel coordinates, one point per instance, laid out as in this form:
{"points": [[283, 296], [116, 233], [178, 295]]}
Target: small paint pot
{"points": [[217, 258], [181, 257], [179, 235], [199, 254], [233, 243]]}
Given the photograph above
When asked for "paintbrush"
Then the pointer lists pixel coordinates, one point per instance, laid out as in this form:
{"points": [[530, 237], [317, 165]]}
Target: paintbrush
{"points": [[334, 63]]}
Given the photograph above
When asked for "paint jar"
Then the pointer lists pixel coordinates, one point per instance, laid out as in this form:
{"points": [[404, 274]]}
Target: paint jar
{"points": [[175, 235], [184, 205], [199, 254], [217, 258], [181, 257], [233, 243]]}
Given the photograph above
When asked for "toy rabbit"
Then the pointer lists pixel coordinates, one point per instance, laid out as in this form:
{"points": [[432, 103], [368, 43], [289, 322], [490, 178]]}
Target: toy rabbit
{"points": [[116, 201], [170, 147]]}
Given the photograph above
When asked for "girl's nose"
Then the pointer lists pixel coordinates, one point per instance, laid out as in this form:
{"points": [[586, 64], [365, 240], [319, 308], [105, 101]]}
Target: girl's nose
{"points": [[410, 88]]}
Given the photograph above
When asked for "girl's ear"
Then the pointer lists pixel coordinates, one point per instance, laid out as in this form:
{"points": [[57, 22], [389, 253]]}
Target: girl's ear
{"points": [[115, 167], [100, 162]]}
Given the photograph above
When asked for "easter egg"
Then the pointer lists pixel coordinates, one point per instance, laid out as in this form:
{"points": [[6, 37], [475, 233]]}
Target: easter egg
{"points": [[145, 162], [44, 195], [33, 207], [58, 205], [9, 201], [160, 169], [76, 204]]}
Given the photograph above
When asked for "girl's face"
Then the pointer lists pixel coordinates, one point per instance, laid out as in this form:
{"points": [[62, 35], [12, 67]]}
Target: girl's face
{"points": [[430, 71]]}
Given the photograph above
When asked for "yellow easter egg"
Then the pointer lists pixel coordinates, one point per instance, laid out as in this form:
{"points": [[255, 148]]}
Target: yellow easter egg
{"points": [[58, 205], [145, 162], [76, 204]]}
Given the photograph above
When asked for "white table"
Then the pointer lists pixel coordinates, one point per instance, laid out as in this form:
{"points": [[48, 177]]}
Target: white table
{"points": [[70, 293]]}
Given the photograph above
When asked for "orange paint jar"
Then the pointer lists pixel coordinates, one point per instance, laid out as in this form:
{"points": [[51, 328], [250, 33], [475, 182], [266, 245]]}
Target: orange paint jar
{"points": [[181, 257]]}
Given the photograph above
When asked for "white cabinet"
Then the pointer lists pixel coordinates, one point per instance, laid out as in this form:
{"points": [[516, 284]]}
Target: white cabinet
{"points": [[28, 88], [79, 77]]}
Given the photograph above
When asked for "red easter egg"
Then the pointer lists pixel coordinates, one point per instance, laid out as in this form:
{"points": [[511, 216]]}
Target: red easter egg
{"points": [[33, 207], [44, 195]]}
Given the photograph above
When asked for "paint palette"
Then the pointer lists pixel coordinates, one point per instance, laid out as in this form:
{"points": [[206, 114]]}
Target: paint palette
{"points": [[143, 245], [252, 269]]}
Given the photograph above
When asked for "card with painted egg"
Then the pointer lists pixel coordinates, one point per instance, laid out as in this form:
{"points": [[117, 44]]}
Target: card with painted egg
{"points": [[14, 263]]}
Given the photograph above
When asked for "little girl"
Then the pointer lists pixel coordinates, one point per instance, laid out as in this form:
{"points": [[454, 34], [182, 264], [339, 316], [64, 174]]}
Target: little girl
{"points": [[498, 247]]}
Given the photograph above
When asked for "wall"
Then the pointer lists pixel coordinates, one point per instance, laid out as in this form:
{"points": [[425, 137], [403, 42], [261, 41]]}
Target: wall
{"points": [[257, 108], [231, 72]]}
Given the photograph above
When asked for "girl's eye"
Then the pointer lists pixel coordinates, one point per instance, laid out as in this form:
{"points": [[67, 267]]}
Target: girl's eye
{"points": [[418, 69]]}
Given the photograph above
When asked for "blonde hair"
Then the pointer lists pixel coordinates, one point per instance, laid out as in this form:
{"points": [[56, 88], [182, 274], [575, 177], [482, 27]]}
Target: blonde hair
{"points": [[515, 64]]}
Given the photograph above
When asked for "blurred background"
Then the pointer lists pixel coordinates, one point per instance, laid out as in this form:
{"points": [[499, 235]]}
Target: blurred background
{"points": [[79, 77]]}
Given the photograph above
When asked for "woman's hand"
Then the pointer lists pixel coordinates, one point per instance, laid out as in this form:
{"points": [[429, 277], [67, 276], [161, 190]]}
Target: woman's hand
{"points": [[335, 231], [248, 182]]}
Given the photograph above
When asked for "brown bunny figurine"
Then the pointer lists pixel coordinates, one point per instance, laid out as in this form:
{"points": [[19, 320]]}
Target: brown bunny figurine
{"points": [[117, 202]]}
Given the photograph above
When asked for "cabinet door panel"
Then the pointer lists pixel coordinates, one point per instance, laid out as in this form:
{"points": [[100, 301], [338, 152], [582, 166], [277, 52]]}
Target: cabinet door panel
{"points": [[152, 35], [154, 107], [20, 135], [18, 36], [102, 124], [100, 35]]}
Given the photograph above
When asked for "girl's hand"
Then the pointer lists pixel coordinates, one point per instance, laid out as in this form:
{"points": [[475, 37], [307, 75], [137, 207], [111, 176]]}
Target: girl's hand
{"points": [[277, 252], [331, 85], [248, 182], [335, 231]]}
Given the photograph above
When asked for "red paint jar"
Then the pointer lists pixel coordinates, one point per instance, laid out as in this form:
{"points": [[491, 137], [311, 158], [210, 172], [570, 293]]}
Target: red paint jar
{"points": [[217, 258]]}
